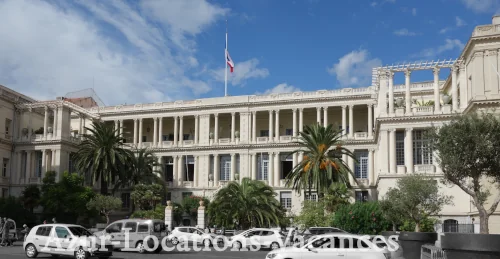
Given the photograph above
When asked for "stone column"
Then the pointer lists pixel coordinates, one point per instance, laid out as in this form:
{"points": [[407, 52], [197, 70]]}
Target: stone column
{"points": [[270, 169], [233, 166], [371, 166], [318, 115], [254, 126], [351, 121], [30, 125], [301, 119], [29, 172], [277, 165], [233, 125], [294, 121], [463, 86], [370, 120], [176, 130], [117, 130], [350, 163], [180, 169], [408, 92], [54, 127], [277, 126], [409, 150], [391, 92], [45, 122], [181, 130], [169, 216], [392, 151], [196, 128], [135, 132], [53, 161], [325, 115], [175, 168], [155, 131], [140, 132], [295, 160], [344, 119], [19, 167], [454, 89], [216, 169], [121, 128], [44, 162], [196, 169], [254, 166], [160, 133], [437, 99], [271, 133], [216, 129]]}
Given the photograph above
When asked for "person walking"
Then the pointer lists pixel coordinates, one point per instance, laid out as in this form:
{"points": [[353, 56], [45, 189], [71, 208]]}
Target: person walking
{"points": [[25, 231], [5, 232]]}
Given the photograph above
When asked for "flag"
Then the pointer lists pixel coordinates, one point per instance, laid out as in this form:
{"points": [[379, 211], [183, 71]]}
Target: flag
{"points": [[229, 61]]}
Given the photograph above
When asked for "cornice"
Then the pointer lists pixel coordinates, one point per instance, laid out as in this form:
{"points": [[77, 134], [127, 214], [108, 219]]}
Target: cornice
{"points": [[416, 118]]}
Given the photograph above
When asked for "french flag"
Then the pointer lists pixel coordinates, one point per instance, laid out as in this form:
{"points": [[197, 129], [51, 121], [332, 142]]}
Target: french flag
{"points": [[229, 61]]}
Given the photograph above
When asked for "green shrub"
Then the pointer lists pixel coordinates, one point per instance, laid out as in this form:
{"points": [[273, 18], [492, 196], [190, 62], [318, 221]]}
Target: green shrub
{"points": [[13, 208], [426, 225], [157, 213], [313, 214], [191, 203], [361, 218]]}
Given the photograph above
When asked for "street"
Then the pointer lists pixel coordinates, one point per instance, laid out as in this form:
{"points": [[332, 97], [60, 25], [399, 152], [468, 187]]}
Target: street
{"points": [[17, 252]]}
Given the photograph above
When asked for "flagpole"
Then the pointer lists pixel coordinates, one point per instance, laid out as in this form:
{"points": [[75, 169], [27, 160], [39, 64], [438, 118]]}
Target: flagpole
{"points": [[225, 70]]}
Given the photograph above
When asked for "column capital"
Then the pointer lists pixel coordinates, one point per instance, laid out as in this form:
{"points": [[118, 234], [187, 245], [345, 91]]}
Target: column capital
{"points": [[325, 107], [121, 121], [436, 70], [277, 111], [233, 113], [155, 118], [216, 115], [271, 153], [254, 112], [390, 74], [181, 117], [351, 106], [301, 109], [271, 112], [407, 72], [371, 150], [391, 130], [135, 119], [233, 154], [216, 155], [455, 68], [370, 105], [196, 115], [140, 119], [318, 108], [409, 129], [343, 107], [46, 108], [294, 110]]}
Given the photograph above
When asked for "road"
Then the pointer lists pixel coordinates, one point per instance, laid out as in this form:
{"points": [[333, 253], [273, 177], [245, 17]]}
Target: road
{"points": [[17, 252]]}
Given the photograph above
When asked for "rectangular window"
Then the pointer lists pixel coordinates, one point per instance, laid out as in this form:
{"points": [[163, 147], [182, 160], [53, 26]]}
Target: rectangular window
{"points": [[39, 164], [131, 226], [7, 128], [361, 196], [125, 200], [263, 163], [422, 153], [188, 168], [361, 168], [5, 166], [264, 133], [400, 148], [311, 197], [286, 200], [144, 138], [71, 166], [5, 192], [289, 132], [225, 169]]}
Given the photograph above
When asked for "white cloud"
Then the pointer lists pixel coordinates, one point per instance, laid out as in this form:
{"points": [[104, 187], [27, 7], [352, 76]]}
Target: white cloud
{"points": [[459, 22], [444, 30], [354, 68], [243, 71], [281, 88], [414, 11], [404, 32], [58, 47], [373, 4], [482, 6], [450, 44]]}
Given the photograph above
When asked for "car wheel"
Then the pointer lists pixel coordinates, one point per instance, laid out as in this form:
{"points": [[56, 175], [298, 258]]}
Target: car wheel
{"points": [[159, 249], [275, 246], [31, 251], [140, 248], [237, 245], [81, 254], [174, 241], [207, 242]]}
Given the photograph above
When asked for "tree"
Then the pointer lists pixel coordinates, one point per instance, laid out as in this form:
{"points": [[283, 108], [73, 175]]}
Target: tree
{"points": [[364, 218], [313, 214], [336, 195], [468, 149], [102, 153], [146, 197], [140, 168], [105, 205], [14, 208], [390, 210], [191, 203], [249, 204], [417, 197], [67, 198], [30, 197], [322, 164]]}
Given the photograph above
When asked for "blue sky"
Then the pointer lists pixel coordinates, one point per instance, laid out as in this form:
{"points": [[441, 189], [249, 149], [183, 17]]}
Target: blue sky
{"points": [[165, 50]]}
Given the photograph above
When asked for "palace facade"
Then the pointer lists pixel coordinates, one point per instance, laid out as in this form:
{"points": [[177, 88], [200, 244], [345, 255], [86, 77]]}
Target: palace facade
{"points": [[205, 143]]}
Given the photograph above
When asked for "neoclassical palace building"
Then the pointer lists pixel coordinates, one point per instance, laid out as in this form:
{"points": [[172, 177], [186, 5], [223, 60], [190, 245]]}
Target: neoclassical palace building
{"points": [[205, 143]]}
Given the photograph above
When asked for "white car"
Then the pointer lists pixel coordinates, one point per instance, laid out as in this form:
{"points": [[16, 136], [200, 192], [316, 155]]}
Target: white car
{"points": [[335, 245], [65, 239], [262, 237], [192, 234]]}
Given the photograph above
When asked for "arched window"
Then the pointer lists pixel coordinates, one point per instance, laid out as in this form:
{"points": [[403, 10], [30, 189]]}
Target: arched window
{"points": [[450, 225]]}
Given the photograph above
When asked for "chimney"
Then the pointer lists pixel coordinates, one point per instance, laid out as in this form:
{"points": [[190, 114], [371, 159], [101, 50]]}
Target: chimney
{"points": [[496, 19]]}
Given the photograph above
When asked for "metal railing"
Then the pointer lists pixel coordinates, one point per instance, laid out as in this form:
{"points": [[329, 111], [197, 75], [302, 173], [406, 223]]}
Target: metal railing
{"points": [[457, 228], [432, 252]]}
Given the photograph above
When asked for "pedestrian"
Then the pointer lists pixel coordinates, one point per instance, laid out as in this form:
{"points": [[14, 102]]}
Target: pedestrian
{"points": [[54, 220], [45, 222], [5, 232], [25, 231]]}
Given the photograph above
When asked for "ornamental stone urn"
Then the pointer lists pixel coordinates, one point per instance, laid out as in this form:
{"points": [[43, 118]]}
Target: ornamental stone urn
{"points": [[211, 135], [446, 99], [399, 102], [237, 134], [49, 130]]}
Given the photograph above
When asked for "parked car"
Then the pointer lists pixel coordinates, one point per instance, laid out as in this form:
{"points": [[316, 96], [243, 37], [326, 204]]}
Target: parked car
{"points": [[192, 234], [337, 245], [65, 239], [314, 231], [138, 230], [265, 237]]}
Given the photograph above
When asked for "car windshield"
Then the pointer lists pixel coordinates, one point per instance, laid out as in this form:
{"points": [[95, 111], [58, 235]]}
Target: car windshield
{"points": [[79, 231]]}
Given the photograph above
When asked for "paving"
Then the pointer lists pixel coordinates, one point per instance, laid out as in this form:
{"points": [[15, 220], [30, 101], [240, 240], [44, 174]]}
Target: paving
{"points": [[16, 252]]}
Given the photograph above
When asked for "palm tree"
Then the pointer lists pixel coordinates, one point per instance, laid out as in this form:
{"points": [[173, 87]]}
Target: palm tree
{"points": [[140, 168], [322, 164], [102, 152], [249, 204]]}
